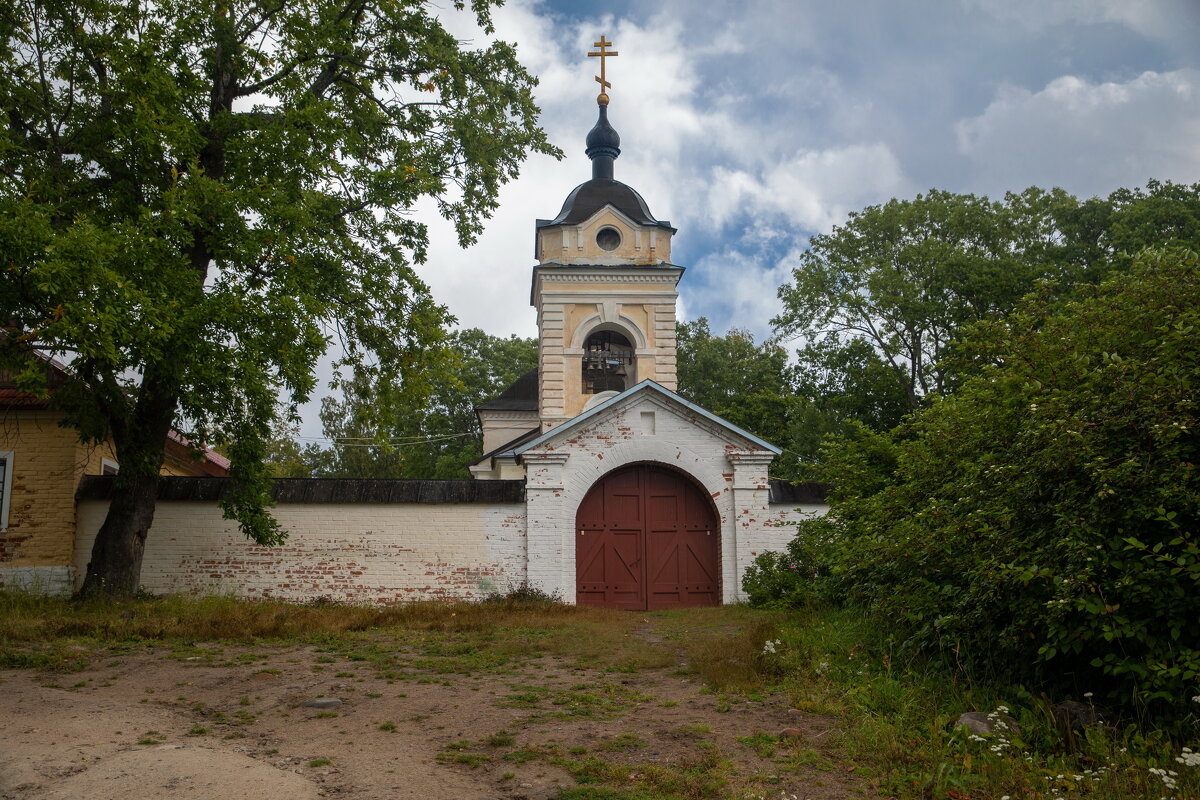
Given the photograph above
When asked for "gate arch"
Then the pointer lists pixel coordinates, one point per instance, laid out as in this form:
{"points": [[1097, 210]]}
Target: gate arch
{"points": [[647, 537]]}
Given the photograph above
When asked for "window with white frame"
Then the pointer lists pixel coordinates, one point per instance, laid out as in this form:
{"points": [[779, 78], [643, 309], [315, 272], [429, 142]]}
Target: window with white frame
{"points": [[6, 464]]}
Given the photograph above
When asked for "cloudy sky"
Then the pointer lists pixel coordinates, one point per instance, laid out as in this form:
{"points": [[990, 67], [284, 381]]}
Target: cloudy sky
{"points": [[752, 125]]}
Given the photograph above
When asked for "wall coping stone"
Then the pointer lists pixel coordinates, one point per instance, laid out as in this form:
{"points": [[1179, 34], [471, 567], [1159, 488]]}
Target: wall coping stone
{"points": [[325, 490], [810, 492]]}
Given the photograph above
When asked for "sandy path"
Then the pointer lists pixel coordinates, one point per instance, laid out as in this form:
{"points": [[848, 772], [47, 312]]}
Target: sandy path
{"points": [[231, 725]]}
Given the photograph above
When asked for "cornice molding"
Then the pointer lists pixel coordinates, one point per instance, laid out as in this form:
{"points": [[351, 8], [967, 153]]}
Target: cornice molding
{"points": [[609, 277]]}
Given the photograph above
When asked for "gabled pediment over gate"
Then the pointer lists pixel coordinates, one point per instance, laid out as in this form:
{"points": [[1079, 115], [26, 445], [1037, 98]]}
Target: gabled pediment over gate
{"points": [[663, 423]]}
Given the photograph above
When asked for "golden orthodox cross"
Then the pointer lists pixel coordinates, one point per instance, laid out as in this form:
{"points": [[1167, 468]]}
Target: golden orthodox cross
{"points": [[603, 53]]}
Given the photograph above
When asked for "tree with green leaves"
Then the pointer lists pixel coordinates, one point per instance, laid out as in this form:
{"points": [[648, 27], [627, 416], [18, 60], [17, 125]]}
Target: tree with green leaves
{"points": [[441, 437], [792, 405], [749, 384], [905, 277], [197, 199], [1041, 521], [713, 371]]}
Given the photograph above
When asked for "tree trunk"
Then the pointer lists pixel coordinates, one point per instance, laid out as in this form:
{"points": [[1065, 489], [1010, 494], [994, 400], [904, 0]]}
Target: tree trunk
{"points": [[116, 565]]}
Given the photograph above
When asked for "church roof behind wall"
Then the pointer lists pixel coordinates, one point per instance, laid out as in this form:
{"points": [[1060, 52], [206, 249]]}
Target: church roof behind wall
{"points": [[509, 445], [521, 395]]}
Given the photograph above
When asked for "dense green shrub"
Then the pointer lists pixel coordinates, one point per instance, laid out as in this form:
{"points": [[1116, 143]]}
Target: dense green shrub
{"points": [[1041, 522]]}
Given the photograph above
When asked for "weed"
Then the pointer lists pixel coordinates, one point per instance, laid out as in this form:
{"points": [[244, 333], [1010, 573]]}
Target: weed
{"points": [[390, 727], [500, 739], [623, 741], [762, 744], [693, 731], [740, 662], [318, 762], [525, 594], [471, 760], [529, 699]]}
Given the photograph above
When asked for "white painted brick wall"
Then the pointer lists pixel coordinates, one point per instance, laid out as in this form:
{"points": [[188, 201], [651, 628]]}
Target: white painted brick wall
{"points": [[365, 553], [39, 580], [383, 553]]}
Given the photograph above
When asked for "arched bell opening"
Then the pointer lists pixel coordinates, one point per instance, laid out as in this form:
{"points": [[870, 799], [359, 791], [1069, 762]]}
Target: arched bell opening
{"points": [[647, 537], [608, 363]]}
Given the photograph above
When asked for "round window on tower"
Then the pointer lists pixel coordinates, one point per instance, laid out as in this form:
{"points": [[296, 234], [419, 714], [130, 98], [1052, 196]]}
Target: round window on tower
{"points": [[608, 239]]}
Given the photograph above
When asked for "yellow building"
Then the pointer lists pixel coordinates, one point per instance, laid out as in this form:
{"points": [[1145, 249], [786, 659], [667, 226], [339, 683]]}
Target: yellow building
{"points": [[41, 464]]}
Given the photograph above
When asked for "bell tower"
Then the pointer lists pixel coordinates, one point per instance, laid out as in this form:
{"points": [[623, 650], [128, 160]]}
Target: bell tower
{"points": [[604, 287]]}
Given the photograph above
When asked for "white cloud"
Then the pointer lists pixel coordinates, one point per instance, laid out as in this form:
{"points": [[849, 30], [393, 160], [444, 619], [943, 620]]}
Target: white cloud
{"points": [[813, 190], [1089, 138], [1161, 19], [747, 287]]}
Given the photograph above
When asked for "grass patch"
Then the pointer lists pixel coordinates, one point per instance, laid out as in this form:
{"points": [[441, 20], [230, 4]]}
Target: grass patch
{"points": [[521, 755], [705, 775], [601, 700], [763, 744], [737, 661], [500, 739], [623, 742], [461, 752], [447, 638]]}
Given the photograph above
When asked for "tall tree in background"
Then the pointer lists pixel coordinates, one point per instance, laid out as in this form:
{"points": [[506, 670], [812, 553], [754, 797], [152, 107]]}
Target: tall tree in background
{"points": [[439, 438], [792, 405], [749, 384], [196, 197], [906, 276], [715, 371]]}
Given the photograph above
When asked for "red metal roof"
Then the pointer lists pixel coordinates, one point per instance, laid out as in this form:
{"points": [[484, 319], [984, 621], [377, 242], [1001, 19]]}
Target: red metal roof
{"points": [[15, 398]]}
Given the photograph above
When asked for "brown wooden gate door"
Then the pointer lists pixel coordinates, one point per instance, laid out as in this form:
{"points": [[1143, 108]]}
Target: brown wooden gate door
{"points": [[646, 538]]}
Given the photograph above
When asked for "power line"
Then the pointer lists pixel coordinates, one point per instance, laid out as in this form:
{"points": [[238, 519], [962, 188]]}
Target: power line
{"points": [[365, 441]]}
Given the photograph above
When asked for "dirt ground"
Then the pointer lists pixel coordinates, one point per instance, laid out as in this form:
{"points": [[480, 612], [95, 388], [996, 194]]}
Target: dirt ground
{"points": [[226, 722]]}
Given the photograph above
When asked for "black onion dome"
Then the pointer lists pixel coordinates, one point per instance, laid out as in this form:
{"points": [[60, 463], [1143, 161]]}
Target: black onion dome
{"points": [[603, 141], [603, 147]]}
